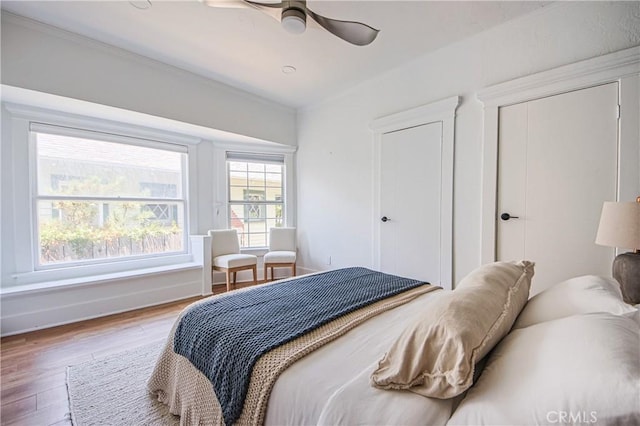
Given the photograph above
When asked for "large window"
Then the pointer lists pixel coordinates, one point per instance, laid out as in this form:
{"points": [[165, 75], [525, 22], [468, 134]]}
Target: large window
{"points": [[100, 198], [256, 201]]}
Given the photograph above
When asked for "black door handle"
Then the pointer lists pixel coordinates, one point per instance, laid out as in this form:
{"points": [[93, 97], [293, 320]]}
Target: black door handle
{"points": [[507, 216], [385, 219]]}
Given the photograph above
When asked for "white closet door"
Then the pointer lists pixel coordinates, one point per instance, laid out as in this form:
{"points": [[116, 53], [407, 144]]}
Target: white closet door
{"points": [[410, 198], [558, 161]]}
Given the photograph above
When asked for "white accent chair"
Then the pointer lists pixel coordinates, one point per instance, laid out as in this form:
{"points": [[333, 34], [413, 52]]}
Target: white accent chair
{"points": [[226, 256], [282, 251]]}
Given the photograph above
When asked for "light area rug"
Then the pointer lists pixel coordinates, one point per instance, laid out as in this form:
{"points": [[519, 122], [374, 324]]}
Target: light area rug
{"points": [[112, 390]]}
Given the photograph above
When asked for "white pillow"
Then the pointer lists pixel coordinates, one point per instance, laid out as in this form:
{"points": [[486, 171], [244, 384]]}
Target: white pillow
{"points": [[583, 369], [578, 295]]}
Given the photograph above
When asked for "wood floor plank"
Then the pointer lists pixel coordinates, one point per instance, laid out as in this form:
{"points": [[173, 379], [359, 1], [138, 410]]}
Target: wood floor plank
{"points": [[33, 365], [54, 396], [25, 386], [19, 408], [53, 414]]}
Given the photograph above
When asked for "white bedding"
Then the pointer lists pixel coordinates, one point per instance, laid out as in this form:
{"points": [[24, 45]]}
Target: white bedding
{"points": [[560, 363], [581, 369], [331, 385]]}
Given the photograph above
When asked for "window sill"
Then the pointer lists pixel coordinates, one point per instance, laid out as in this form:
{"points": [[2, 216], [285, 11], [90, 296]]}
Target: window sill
{"points": [[22, 289], [256, 251]]}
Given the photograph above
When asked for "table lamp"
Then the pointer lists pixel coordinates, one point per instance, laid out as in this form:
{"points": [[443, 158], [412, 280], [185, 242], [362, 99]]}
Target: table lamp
{"points": [[620, 227]]}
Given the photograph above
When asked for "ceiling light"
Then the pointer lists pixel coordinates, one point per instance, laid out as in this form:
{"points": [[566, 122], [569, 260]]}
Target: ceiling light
{"points": [[288, 69], [294, 20]]}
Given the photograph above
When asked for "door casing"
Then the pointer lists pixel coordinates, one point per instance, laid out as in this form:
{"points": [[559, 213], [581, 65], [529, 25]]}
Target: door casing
{"points": [[443, 111]]}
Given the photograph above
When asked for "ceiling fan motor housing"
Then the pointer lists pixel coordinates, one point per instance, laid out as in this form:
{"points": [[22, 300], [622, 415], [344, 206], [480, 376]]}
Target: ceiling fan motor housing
{"points": [[294, 19]]}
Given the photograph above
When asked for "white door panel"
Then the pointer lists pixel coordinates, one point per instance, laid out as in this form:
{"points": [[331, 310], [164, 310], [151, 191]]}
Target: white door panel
{"points": [[410, 189], [557, 164]]}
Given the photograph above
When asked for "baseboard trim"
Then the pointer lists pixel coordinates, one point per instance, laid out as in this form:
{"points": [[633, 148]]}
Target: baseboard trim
{"points": [[302, 270], [94, 308]]}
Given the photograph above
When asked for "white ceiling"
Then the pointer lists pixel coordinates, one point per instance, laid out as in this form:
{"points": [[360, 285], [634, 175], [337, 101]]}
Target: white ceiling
{"points": [[247, 49]]}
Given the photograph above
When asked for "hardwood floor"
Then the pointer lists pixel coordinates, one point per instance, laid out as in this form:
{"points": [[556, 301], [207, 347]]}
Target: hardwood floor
{"points": [[33, 365]]}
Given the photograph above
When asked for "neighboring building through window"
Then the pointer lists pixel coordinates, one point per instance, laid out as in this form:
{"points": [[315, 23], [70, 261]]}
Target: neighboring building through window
{"points": [[163, 213], [255, 196], [98, 200]]}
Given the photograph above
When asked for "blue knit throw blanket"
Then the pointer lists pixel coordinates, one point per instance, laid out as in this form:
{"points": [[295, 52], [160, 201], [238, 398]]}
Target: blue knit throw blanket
{"points": [[224, 337]]}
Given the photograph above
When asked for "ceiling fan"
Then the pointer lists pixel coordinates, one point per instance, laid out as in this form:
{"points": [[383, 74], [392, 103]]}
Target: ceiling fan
{"points": [[293, 16]]}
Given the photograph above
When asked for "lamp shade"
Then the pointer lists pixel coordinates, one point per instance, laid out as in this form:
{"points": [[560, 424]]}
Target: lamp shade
{"points": [[619, 225]]}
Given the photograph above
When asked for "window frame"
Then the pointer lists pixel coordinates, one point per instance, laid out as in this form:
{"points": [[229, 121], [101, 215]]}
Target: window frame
{"points": [[221, 194], [256, 158], [36, 127], [17, 141]]}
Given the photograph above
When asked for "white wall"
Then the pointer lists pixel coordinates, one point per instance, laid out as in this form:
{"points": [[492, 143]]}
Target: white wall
{"points": [[39, 57], [335, 147]]}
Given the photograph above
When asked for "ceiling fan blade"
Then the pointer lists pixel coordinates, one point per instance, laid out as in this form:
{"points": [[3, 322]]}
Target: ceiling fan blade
{"points": [[353, 32], [231, 4], [266, 3], [266, 6], [271, 8]]}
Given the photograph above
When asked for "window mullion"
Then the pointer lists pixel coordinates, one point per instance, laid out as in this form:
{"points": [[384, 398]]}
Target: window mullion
{"points": [[111, 199]]}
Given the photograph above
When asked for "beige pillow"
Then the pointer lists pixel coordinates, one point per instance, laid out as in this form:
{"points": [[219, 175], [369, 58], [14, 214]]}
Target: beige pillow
{"points": [[436, 356]]}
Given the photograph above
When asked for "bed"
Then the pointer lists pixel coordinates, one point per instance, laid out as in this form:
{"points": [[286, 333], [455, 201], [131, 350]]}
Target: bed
{"points": [[482, 354]]}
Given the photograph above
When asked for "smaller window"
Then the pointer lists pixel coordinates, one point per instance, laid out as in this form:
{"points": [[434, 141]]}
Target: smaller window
{"points": [[255, 196]]}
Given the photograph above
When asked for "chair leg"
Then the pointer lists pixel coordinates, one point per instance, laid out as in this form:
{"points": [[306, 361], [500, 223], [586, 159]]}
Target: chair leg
{"points": [[255, 274], [265, 273], [294, 269], [235, 275], [273, 276], [228, 281]]}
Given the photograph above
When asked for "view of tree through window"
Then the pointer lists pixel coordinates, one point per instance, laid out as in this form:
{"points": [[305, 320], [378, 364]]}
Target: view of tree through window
{"points": [[255, 200], [98, 200]]}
